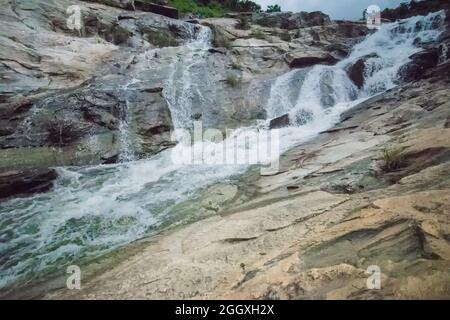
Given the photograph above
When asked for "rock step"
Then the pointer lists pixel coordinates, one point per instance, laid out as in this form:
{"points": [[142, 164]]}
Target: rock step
{"points": [[148, 6], [26, 182]]}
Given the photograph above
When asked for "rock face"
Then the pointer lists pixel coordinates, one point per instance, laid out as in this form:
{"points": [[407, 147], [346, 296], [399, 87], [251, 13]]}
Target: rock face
{"points": [[291, 21], [420, 63], [64, 98], [151, 122]]}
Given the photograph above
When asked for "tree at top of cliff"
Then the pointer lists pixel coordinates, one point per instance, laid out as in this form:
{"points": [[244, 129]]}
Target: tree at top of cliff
{"points": [[274, 8]]}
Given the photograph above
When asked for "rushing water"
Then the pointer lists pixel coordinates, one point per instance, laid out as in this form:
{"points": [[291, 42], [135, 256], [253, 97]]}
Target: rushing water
{"points": [[95, 209]]}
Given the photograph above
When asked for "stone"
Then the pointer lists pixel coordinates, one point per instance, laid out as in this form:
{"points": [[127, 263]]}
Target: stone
{"points": [[356, 72], [153, 7], [420, 62], [308, 59], [26, 182], [280, 122]]}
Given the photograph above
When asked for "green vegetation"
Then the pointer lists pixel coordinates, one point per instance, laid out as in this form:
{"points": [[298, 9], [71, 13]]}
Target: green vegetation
{"points": [[233, 80], [161, 38], [191, 6], [237, 66], [258, 34], [274, 8], [214, 8], [393, 159]]}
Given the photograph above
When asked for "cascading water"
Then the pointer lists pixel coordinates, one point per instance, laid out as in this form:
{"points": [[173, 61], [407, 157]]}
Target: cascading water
{"points": [[179, 90], [327, 90], [93, 210]]}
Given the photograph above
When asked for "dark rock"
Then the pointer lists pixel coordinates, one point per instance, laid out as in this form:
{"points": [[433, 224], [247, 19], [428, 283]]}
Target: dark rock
{"points": [[146, 5], [279, 122], [420, 63], [26, 182], [153, 89], [194, 21], [357, 70], [356, 73], [217, 50], [196, 116], [308, 61]]}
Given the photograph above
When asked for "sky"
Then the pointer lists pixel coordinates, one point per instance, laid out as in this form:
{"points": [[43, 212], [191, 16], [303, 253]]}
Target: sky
{"points": [[336, 9]]}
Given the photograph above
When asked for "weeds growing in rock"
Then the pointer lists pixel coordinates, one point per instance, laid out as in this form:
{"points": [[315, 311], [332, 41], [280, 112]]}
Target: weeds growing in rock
{"points": [[233, 80], [258, 34], [393, 159], [237, 66]]}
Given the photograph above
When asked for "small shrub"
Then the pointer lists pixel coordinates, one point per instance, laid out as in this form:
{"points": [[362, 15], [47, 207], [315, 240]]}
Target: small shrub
{"points": [[273, 8], [237, 66], [258, 34], [233, 80], [393, 159]]}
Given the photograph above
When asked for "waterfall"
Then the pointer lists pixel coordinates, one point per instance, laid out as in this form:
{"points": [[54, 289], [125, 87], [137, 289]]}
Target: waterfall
{"points": [[327, 89], [179, 90], [93, 210]]}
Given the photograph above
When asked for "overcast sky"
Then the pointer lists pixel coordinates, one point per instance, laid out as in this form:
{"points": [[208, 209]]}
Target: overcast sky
{"points": [[336, 9]]}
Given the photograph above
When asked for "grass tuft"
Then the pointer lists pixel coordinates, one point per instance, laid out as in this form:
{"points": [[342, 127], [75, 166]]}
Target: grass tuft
{"points": [[258, 34], [393, 159], [233, 80]]}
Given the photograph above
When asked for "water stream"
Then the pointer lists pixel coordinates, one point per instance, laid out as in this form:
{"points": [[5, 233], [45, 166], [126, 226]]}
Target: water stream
{"points": [[93, 210]]}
